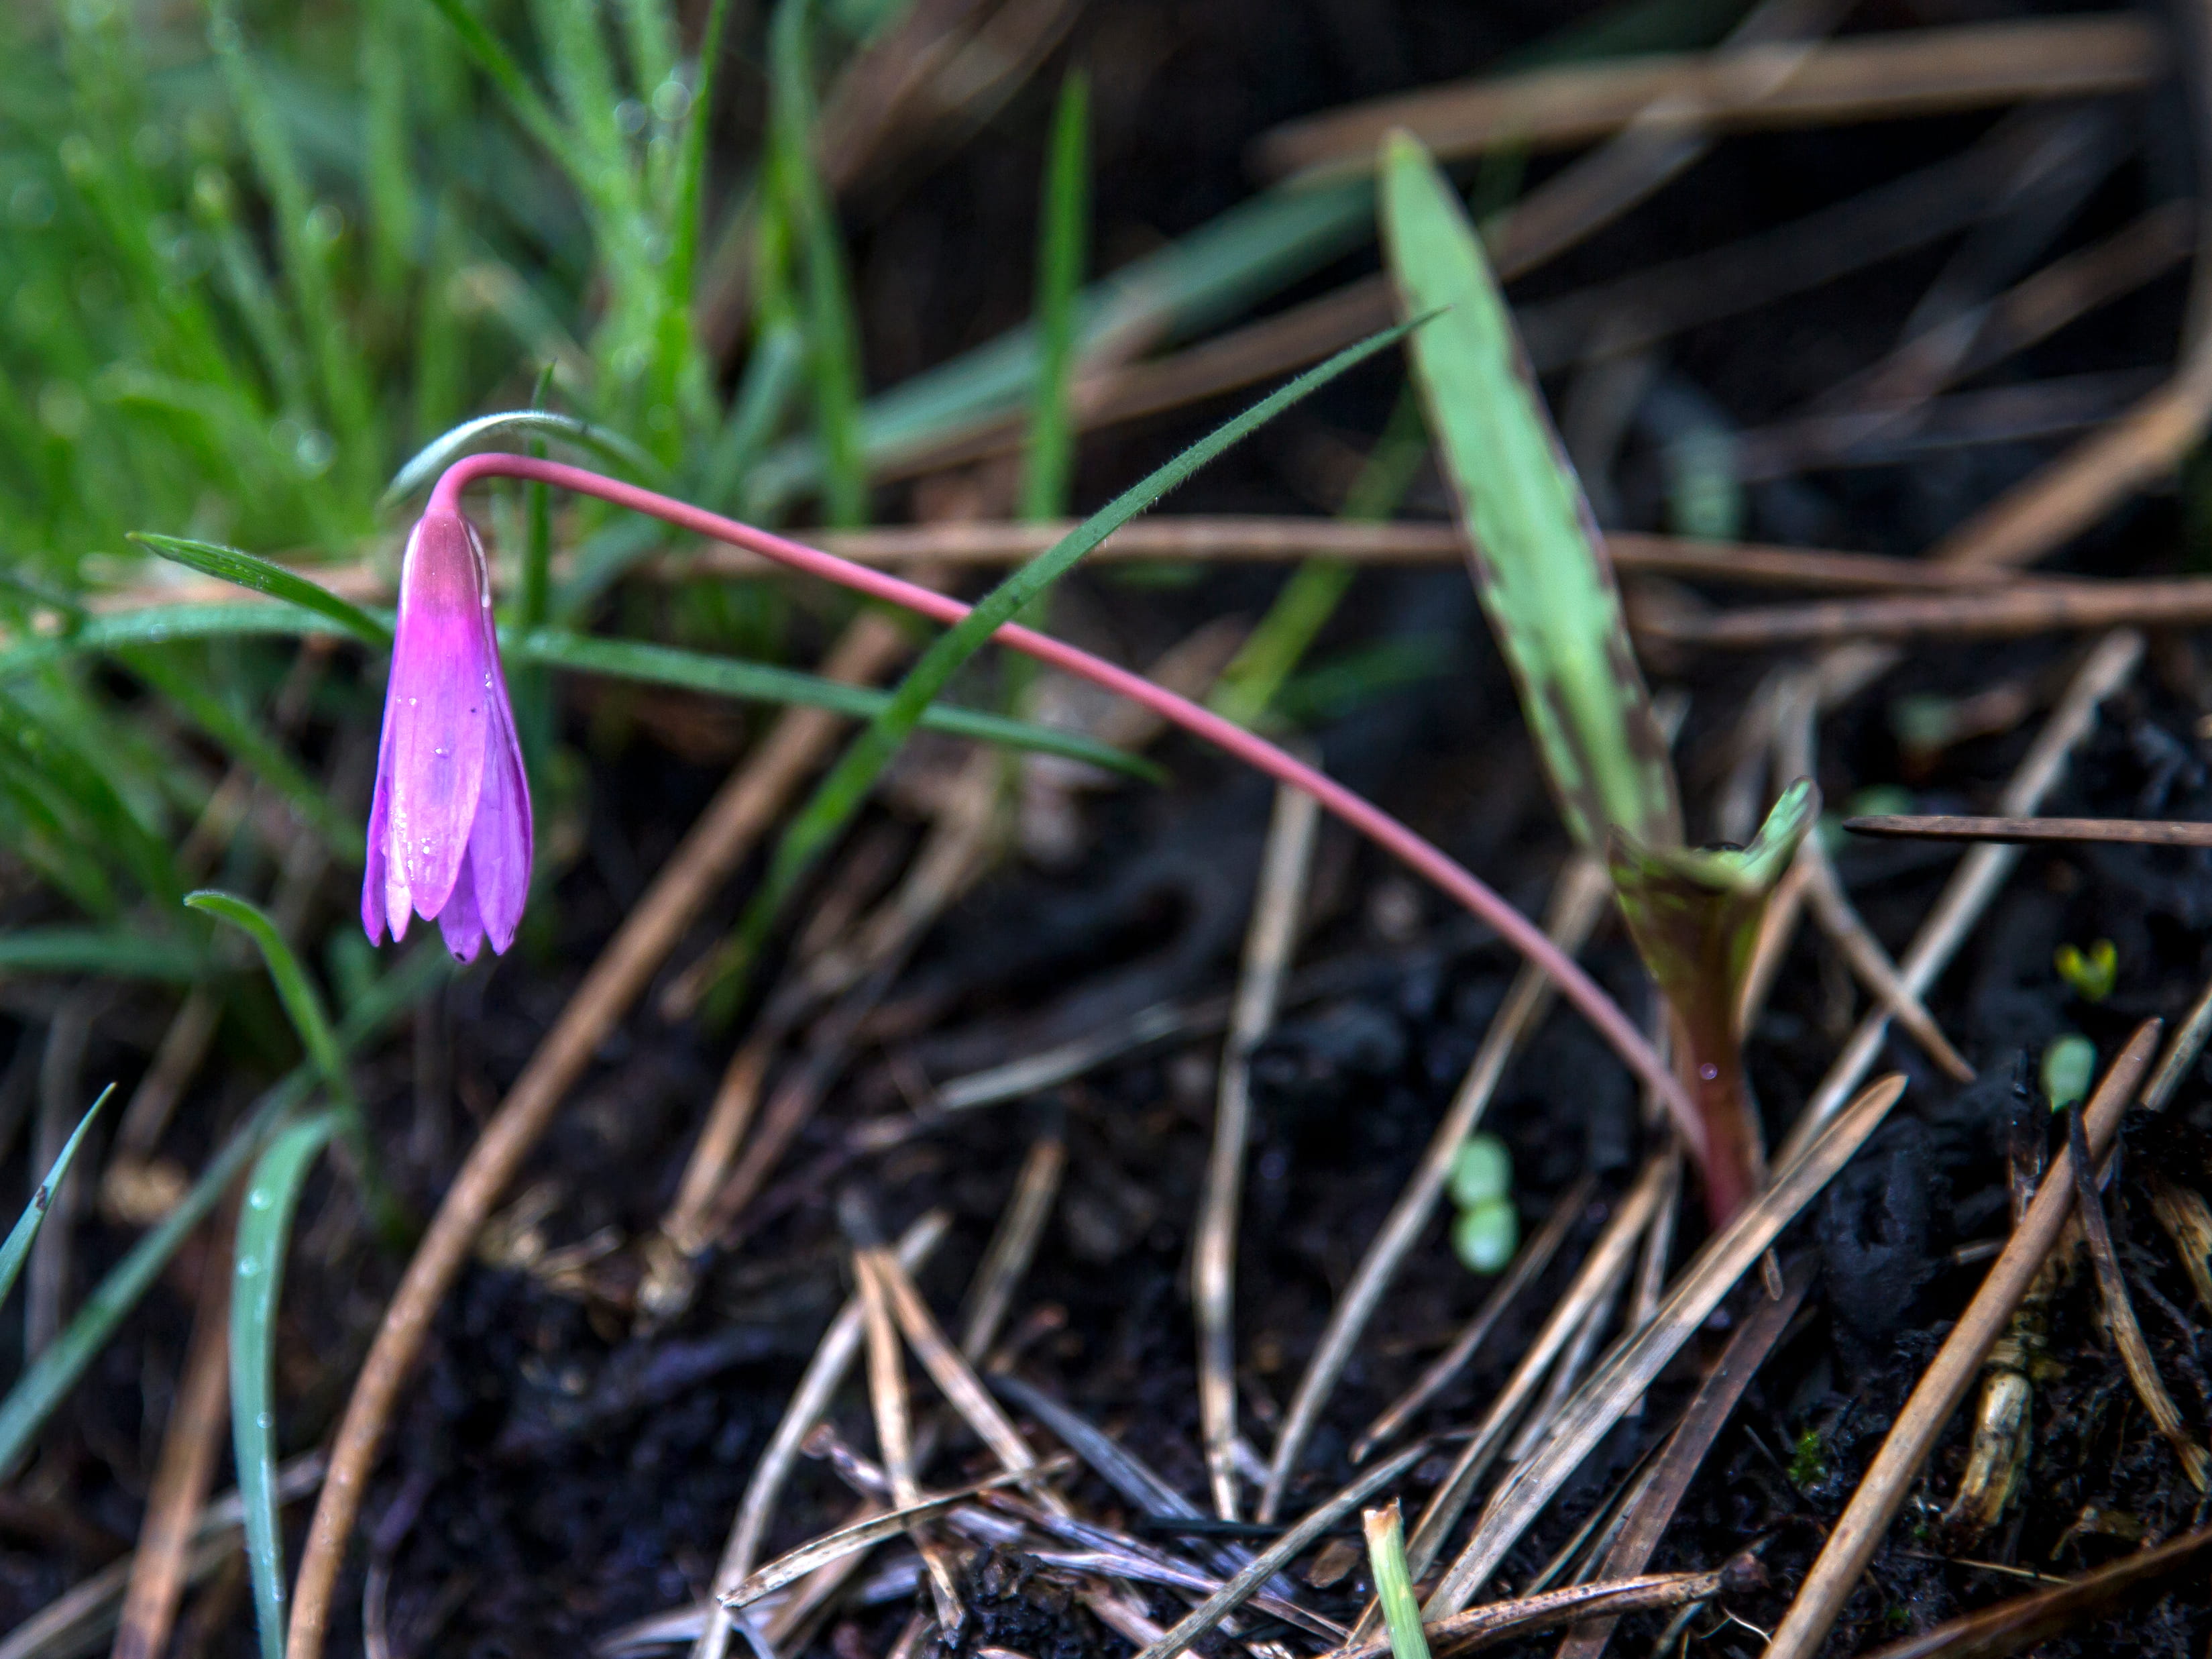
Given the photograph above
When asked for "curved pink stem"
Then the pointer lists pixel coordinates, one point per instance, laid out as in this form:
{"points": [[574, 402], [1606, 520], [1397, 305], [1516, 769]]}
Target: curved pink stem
{"points": [[1412, 850]]}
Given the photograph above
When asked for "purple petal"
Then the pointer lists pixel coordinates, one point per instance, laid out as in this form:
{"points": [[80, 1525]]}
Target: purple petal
{"points": [[438, 715], [372, 898], [500, 844], [458, 921]]}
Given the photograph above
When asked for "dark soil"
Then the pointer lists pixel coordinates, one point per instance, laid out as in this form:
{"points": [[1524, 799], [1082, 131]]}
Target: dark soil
{"points": [[554, 1478]]}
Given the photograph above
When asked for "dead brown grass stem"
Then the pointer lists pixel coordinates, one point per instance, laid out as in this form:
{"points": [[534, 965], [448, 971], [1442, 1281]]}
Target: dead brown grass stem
{"points": [[1852, 1541], [1796, 730], [1981, 873], [1866, 78], [2120, 1315], [888, 1401], [1629, 1368], [1608, 1265], [1013, 1243], [1527, 1266], [1280, 1553], [1285, 865], [1608, 1599], [825, 1374], [2042, 606], [1660, 1491], [733, 821], [2013, 1626], [1580, 898], [2138, 832], [184, 1470]]}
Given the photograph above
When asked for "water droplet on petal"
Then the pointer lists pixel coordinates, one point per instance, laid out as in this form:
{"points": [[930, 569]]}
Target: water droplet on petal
{"points": [[1709, 1071]]}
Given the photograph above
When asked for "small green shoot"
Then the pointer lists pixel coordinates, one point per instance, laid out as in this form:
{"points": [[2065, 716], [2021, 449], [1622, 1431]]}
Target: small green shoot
{"points": [[264, 1227], [1481, 1169], [2092, 973], [1485, 1236], [1394, 1583], [2069, 1066], [1809, 1466], [1548, 589], [17, 1248]]}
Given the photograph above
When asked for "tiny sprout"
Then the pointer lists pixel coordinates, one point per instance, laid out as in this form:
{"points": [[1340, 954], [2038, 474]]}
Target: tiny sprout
{"points": [[2068, 1065], [1482, 1170], [1486, 1235], [2092, 973]]}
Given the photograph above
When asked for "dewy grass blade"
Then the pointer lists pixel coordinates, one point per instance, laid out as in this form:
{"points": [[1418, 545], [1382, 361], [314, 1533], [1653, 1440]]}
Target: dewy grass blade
{"points": [[42, 1386], [732, 676], [303, 1004], [263, 576], [493, 59], [443, 451], [264, 1227], [16, 1249], [1062, 252], [839, 794], [1540, 569]]}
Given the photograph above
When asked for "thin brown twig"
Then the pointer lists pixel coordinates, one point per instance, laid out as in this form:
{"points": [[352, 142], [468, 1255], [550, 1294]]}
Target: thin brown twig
{"points": [[1285, 864], [1581, 895], [1947, 827], [184, 1470], [1529, 1264], [887, 1399], [2013, 1626], [1660, 1491], [1610, 1599], [1981, 873], [1866, 78], [1611, 1258], [1013, 1244], [2015, 611], [1852, 1541], [1635, 1361], [2120, 1314], [733, 821]]}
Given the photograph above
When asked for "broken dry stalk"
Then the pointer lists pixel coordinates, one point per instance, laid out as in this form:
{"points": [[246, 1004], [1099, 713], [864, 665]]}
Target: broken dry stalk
{"points": [[2128, 832], [2120, 1314], [1577, 901], [1853, 1540], [1605, 1600], [1267, 946], [887, 1399]]}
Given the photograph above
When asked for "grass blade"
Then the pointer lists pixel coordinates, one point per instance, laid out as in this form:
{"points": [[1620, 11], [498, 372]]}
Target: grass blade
{"points": [[263, 576], [1062, 252], [50, 1377], [839, 794], [303, 1004], [427, 462], [112, 953], [731, 677], [264, 1226], [538, 119], [17, 1248], [1542, 574]]}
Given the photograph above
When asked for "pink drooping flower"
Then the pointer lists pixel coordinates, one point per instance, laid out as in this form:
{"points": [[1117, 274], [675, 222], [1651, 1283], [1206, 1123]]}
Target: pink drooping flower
{"points": [[449, 834]]}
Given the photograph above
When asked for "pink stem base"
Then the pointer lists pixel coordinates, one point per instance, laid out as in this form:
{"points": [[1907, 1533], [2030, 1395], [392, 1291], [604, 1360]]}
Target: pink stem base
{"points": [[1418, 854]]}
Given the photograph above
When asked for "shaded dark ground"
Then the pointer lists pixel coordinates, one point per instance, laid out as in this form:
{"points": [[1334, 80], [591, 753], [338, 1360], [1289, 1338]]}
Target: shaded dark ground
{"points": [[551, 1481]]}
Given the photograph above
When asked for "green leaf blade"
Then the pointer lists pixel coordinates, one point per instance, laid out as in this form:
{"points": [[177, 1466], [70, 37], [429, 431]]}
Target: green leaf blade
{"points": [[303, 1004], [264, 576], [16, 1249], [1539, 565], [264, 1228]]}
